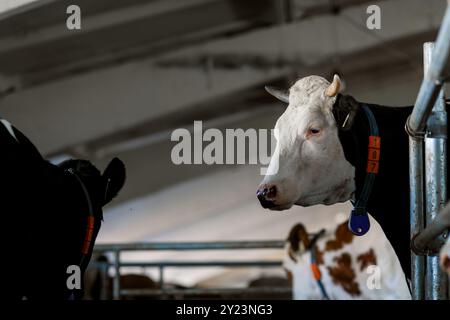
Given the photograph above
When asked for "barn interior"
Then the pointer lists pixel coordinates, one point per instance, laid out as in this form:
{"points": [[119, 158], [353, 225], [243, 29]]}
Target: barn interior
{"points": [[137, 70]]}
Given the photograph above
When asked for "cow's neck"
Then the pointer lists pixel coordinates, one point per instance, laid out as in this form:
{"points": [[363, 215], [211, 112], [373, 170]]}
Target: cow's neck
{"points": [[389, 199]]}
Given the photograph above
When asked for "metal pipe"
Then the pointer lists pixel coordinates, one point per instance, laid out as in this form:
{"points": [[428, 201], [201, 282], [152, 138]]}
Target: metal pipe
{"points": [[435, 176], [214, 245], [416, 213], [210, 291], [116, 280], [200, 264], [432, 81], [425, 242], [161, 279], [103, 269], [213, 263]]}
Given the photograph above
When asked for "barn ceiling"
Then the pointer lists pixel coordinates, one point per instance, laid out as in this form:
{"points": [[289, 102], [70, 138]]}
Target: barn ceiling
{"points": [[138, 69], [116, 31]]}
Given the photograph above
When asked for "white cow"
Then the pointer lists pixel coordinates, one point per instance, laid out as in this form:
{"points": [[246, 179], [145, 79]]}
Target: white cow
{"points": [[351, 267]]}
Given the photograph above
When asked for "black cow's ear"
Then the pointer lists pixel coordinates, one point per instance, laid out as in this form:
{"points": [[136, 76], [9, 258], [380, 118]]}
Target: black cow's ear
{"points": [[114, 176], [345, 110]]}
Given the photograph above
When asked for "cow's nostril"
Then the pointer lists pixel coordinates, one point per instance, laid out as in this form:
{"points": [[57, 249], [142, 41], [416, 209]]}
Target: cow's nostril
{"points": [[272, 192], [266, 203], [268, 192]]}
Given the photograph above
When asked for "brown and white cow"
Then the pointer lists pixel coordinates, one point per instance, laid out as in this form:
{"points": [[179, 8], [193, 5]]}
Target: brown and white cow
{"points": [[351, 267], [445, 257]]}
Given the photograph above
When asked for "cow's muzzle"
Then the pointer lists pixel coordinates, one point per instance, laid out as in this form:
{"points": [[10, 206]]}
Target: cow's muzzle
{"points": [[266, 195]]}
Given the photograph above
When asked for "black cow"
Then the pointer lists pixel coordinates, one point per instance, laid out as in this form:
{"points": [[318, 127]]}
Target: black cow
{"points": [[51, 215]]}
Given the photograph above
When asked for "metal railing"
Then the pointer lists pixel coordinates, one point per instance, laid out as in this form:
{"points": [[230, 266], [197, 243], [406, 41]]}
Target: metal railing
{"points": [[427, 127], [427, 242], [116, 250]]}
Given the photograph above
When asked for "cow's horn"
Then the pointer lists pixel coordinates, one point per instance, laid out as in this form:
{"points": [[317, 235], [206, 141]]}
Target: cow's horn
{"points": [[333, 88], [280, 94]]}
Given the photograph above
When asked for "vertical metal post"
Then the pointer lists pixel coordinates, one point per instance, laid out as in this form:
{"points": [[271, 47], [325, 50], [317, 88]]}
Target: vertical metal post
{"points": [[161, 277], [435, 181], [103, 269], [161, 281], [416, 213], [116, 279]]}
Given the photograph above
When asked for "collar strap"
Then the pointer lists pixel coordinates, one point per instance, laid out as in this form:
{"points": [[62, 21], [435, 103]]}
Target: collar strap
{"points": [[314, 264], [87, 240], [315, 238], [359, 221]]}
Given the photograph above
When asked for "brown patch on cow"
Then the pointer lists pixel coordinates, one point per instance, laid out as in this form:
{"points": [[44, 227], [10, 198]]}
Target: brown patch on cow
{"points": [[344, 275], [446, 262], [297, 235], [367, 259], [342, 235]]}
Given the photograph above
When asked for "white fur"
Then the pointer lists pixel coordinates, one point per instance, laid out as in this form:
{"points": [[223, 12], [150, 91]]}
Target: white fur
{"points": [[393, 281], [311, 169]]}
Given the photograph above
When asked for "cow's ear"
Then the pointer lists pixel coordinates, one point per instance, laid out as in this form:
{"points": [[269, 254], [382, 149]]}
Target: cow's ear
{"points": [[298, 240], [280, 94], [293, 239], [114, 176], [345, 110]]}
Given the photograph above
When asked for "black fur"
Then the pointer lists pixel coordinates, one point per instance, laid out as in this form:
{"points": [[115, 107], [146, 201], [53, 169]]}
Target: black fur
{"points": [[115, 171], [389, 201], [44, 216]]}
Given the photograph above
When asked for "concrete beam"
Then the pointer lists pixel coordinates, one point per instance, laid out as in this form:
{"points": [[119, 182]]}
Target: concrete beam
{"points": [[113, 31], [76, 110], [72, 111]]}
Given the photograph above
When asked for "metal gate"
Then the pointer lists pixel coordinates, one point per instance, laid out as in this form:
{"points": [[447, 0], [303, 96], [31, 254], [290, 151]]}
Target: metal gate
{"points": [[117, 249], [427, 128]]}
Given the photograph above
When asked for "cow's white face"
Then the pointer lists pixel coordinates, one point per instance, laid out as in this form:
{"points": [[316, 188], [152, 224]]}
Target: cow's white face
{"points": [[308, 166]]}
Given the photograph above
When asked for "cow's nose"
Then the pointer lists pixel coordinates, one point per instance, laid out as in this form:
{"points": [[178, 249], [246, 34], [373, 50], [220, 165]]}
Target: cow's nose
{"points": [[266, 195]]}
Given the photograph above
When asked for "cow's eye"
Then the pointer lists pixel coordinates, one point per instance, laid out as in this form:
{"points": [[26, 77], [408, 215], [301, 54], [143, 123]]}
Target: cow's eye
{"points": [[314, 131]]}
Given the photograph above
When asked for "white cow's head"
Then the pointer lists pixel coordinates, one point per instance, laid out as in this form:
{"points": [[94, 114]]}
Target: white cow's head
{"points": [[308, 166]]}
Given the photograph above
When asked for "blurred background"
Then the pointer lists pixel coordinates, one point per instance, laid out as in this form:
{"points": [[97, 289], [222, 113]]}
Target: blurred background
{"points": [[138, 69]]}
